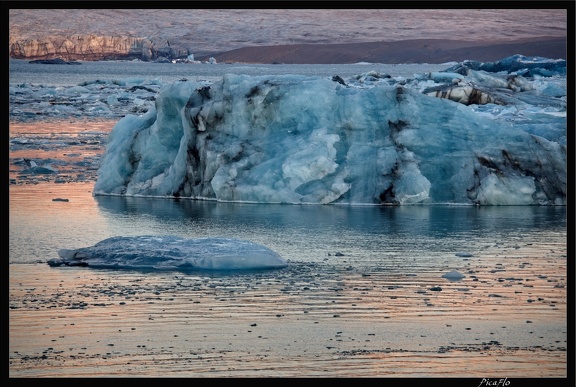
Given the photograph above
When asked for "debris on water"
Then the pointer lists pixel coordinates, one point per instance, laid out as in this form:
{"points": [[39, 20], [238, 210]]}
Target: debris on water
{"points": [[464, 254]]}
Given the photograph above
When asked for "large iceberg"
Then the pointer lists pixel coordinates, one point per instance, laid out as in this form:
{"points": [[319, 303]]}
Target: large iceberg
{"points": [[171, 253], [463, 136]]}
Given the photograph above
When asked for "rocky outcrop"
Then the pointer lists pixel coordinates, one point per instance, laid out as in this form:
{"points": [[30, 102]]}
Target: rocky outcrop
{"points": [[92, 47]]}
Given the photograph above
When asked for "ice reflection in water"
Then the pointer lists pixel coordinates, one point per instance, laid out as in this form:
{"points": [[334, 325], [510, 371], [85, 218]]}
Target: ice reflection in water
{"points": [[363, 234], [367, 231]]}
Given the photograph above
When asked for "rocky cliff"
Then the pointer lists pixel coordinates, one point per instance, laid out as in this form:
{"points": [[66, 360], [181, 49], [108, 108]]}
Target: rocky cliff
{"points": [[93, 47]]}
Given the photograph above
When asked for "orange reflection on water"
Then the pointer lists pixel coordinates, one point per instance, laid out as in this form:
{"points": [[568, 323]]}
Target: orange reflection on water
{"points": [[72, 148]]}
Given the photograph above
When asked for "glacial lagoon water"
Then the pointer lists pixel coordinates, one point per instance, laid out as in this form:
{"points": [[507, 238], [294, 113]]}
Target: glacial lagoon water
{"points": [[367, 235], [366, 292], [65, 75], [387, 261]]}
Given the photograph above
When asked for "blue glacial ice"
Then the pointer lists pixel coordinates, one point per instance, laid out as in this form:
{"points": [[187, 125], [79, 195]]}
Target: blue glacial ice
{"points": [[477, 133], [171, 253]]}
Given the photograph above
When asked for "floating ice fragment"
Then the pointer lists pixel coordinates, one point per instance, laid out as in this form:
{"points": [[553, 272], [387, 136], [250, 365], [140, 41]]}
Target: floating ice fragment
{"points": [[453, 276], [172, 253], [35, 169]]}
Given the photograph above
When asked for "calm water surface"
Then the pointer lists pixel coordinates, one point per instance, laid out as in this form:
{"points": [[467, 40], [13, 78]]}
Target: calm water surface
{"points": [[65, 75], [39, 226]]}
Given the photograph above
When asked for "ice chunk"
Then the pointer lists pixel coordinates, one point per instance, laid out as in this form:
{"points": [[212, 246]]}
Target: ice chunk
{"points": [[453, 276], [172, 253], [299, 139]]}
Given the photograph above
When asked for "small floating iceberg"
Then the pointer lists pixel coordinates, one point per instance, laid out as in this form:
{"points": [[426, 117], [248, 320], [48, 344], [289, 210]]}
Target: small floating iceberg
{"points": [[453, 276], [35, 169], [171, 253]]}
